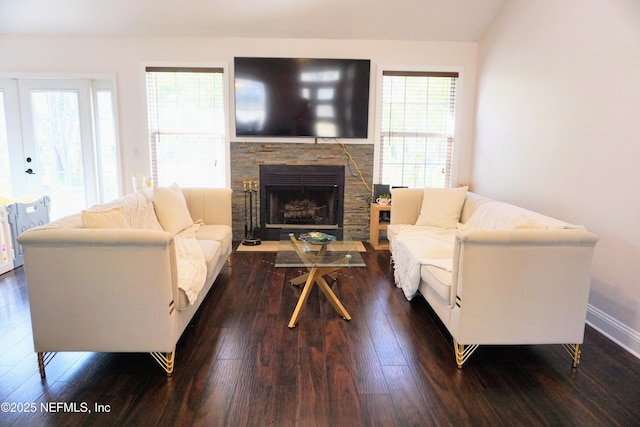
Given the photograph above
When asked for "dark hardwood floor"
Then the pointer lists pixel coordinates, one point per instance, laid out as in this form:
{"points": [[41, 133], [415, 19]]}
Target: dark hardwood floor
{"points": [[238, 364]]}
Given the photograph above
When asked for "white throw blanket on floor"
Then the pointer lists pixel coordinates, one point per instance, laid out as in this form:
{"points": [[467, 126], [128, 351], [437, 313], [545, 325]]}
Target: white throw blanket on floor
{"points": [[416, 246], [192, 269]]}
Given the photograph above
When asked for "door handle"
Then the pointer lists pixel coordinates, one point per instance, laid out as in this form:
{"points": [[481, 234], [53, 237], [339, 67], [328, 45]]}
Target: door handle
{"points": [[30, 171]]}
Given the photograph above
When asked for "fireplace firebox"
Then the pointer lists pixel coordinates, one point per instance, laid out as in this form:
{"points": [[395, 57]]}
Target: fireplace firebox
{"points": [[300, 197]]}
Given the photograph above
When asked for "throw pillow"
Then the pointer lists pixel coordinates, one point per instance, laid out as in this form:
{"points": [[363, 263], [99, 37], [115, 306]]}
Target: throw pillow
{"points": [[441, 207], [171, 208], [110, 218]]}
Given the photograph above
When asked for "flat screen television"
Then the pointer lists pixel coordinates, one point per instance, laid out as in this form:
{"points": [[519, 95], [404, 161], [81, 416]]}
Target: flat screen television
{"points": [[302, 97]]}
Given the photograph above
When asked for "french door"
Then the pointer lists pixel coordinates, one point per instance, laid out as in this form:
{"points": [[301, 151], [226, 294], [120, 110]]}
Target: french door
{"points": [[50, 142]]}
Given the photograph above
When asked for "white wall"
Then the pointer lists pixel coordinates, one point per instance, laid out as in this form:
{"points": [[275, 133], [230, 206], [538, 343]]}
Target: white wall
{"points": [[558, 130], [126, 57]]}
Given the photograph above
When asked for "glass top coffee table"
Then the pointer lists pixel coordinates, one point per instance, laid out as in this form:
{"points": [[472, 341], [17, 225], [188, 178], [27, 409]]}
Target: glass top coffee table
{"points": [[321, 253]]}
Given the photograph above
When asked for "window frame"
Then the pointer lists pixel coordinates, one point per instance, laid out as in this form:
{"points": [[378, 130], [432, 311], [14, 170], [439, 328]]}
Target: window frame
{"points": [[408, 70], [192, 67]]}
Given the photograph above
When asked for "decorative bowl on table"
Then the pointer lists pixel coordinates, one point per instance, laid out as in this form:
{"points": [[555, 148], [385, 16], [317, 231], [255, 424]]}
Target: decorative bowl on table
{"points": [[317, 238]]}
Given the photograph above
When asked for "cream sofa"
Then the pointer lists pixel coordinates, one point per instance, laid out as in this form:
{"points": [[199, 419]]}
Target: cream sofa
{"points": [[113, 279], [494, 273]]}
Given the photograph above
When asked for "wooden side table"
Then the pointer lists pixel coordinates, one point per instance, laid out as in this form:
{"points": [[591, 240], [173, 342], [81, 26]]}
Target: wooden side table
{"points": [[376, 225]]}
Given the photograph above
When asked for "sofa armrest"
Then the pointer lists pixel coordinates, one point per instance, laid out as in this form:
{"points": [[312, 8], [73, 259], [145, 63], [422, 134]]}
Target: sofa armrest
{"points": [[88, 288], [211, 205], [521, 286], [528, 237], [44, 236]]}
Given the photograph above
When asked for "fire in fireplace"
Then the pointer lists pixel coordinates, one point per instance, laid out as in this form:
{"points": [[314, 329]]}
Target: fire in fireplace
{"points": [[300, 196]]}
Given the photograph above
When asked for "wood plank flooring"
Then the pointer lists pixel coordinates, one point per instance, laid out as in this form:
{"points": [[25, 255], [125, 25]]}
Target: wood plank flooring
{"points": [[238, 364]]}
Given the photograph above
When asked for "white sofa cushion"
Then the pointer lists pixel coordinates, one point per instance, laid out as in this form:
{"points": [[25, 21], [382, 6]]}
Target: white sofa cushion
{"points": [[212, 253], [441, 207], [109, 218], [171, 208], [221, 233], [439, 279]]}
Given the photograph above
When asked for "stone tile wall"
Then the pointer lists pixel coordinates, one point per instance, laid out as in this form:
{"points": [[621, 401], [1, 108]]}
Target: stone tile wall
{"points": [[247, 156]]}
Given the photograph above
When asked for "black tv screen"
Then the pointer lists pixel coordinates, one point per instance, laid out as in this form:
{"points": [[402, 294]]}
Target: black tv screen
{"points": [[299, 97]]}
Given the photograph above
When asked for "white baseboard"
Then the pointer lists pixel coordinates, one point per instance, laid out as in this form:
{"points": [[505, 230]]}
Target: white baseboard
{"points": [[616, 331]]}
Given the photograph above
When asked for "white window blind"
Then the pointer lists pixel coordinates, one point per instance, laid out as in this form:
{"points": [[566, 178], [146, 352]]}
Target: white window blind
{"points": [[417, 128], [186, 126]]}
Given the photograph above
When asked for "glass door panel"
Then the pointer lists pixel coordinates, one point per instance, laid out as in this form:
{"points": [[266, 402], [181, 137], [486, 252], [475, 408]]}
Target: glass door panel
{"points": [[58, 154], [56, 128]]}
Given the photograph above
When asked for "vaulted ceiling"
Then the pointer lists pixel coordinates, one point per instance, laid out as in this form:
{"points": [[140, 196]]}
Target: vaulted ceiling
{"points": [[433, 20]]}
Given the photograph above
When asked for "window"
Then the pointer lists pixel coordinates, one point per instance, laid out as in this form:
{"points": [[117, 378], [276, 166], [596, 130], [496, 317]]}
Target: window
{"points": [[186, 126], [417, 128]]}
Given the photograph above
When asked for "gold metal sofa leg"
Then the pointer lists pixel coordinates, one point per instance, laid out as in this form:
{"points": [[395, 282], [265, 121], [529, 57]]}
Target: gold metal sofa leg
{"points": [[165, 360], [43, 360], [575, 353], [463, 352]]}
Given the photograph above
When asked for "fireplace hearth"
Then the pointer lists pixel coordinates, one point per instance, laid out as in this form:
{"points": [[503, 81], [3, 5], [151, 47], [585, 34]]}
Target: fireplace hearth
{"points": [[300, 197]]}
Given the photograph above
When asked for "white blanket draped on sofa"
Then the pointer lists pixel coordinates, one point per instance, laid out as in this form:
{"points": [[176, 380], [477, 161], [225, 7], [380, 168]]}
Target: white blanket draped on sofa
{"points": [[192, 269], [415, 246]]}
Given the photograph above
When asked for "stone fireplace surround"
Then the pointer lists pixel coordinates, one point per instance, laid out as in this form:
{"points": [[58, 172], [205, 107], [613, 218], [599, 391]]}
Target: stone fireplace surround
{"points": [[246, 158]]}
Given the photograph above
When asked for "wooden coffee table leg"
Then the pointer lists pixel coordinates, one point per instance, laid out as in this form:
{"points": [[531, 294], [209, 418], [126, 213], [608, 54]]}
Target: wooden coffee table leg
{"points": [[303, 296], [333, 299], [299, 280]]}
